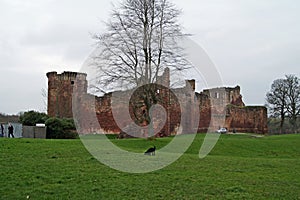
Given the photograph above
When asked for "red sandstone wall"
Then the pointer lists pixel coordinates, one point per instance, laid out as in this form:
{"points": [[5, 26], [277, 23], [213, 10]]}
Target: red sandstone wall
{"points": [[242, 119], [94, 114], [60, 90], [227, 109], [252, 119]]}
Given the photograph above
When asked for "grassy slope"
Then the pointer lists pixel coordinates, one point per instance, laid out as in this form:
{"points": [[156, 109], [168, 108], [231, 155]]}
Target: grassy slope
{"points": [[239, 167]]}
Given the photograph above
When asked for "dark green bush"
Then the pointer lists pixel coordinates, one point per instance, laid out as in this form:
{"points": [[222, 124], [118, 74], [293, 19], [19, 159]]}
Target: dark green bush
{"points": [[31, 118], [61, 129]]}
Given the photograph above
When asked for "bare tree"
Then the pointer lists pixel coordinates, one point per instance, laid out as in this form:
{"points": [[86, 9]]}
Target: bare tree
{"points": [[277, 100], [293, 99], [284, 100], [140, 42]]}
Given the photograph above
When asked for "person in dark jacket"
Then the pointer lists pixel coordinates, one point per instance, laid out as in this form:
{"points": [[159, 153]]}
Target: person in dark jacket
{"points": [[10, 130], [2, 131]]}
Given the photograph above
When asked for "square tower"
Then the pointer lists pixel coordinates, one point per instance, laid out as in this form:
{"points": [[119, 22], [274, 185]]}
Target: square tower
{"points": [[60, 92]]}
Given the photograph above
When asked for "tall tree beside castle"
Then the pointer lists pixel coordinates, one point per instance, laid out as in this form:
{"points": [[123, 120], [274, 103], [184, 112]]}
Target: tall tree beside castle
{"points": [[140, 42]]}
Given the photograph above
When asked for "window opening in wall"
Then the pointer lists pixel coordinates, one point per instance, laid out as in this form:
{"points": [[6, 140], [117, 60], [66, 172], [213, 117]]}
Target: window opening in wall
{"points": [[217, 95]]}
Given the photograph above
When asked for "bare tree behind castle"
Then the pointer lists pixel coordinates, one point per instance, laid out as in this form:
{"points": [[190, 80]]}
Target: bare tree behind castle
{"points": [[140, 42]]}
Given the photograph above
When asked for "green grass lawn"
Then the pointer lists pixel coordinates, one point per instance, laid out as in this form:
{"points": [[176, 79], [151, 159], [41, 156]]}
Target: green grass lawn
{"points": [[239, 167]]}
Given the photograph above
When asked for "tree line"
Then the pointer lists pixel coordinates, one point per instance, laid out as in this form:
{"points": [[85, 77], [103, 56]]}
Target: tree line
{"points": [[283, 101]]}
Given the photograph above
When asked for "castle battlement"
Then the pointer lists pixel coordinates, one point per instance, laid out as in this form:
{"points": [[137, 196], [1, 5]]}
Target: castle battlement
{"points": [[66, 75]]}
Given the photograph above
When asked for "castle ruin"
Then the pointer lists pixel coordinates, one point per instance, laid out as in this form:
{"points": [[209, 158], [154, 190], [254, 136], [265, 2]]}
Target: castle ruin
{"points": [[218, 107]]}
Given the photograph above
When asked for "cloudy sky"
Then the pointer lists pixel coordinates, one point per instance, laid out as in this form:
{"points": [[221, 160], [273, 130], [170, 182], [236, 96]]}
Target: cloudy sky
{"points": [[251, 42]]}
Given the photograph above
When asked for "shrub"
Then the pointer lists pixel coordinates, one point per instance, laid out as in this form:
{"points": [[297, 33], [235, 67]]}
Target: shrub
{"points": [[31, 118], [61, 129]]}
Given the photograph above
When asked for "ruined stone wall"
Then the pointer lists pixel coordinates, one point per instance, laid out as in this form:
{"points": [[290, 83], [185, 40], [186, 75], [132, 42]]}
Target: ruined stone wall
{"points": [[205, 112], [105, 115], [213, 104], [249, 119], [218, 107], [224, 107]]}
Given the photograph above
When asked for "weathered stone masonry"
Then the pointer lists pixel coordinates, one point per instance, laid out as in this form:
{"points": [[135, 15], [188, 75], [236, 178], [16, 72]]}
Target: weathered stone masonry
{"points": [[213, 114], [60, 89]]}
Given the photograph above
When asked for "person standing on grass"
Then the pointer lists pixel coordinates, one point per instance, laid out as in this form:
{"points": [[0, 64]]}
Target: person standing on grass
{"points": [[2, 130], [10, 130]]}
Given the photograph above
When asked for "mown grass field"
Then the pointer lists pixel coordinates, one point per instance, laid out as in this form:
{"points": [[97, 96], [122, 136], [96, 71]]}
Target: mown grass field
{"points": [[239, 167]]}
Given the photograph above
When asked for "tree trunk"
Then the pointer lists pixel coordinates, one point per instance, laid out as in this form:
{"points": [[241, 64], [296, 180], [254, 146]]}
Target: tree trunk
{"points": [[281, 123]]}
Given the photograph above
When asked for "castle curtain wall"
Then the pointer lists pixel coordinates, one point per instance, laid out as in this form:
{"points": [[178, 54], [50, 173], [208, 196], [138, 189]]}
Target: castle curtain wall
{"points": [[95, 113], [248, 119]]}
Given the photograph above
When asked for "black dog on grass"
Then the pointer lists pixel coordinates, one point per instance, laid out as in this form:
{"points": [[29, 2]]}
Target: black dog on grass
{"points": [[151, 151]]}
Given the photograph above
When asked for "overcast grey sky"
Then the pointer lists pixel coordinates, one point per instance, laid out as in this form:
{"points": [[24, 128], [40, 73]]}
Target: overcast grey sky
{"points": [[251, 42]]}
